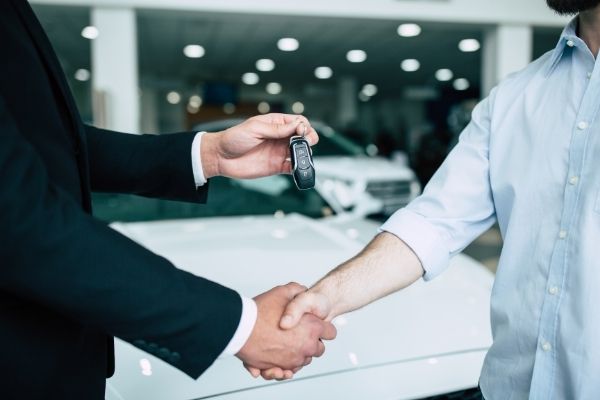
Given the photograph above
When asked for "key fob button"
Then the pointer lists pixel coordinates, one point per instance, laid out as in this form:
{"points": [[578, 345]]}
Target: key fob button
{"points": [[303, 163], [302, 151]]}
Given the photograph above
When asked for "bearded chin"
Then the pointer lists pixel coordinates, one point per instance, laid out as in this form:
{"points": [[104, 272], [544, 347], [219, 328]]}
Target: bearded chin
{"points": [[571, 7]]}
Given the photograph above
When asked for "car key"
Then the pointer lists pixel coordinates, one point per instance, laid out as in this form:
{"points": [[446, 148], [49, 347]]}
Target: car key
{"points": [[303, 169]]}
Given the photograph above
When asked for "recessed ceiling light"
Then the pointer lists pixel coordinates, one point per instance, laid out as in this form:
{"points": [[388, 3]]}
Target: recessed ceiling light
{"points": [[356, 56], [82, 75], [369, 89], [410, 65], [90, 32], [229, 108], [173, 97], [298, 107], [250, 78], [288, 44], [469, 45], [409, 30], [273, 88], [195, 100], [265, 65], [363, 97], [193, 51], [264, 107], [461, 84], [323, 72], [444, 75]]}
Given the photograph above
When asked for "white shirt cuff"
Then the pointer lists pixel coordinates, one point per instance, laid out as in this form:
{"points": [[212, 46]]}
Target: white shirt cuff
{"points": [[423, 238], [197, 160], [245, 328]]}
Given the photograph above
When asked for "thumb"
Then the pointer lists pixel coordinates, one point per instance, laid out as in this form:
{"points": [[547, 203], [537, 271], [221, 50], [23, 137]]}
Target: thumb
{"points": [[302, 304], [266, 130]]}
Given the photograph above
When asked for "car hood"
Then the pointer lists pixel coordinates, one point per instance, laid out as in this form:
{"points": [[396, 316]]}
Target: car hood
{"points": [[449, 315], [361, 167]]}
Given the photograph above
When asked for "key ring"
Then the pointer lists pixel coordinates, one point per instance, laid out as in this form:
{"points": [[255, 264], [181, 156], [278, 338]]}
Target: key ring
{"points": [[304, 130]]}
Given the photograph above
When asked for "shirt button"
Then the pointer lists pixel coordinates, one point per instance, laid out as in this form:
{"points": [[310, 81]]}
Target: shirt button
{"points": [[589, 75], [553, 290], [562, 234], [570, 43], [582, 125], [546, 346], [574, 180]]}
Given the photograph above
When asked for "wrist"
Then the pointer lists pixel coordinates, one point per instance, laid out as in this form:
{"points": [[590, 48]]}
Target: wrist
{"points": [[209, 154]]}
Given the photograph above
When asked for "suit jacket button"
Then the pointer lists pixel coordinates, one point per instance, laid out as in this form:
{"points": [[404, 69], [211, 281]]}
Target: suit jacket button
{"points": [[163, 352], [175, 358], [152, 348], [139, 343]]}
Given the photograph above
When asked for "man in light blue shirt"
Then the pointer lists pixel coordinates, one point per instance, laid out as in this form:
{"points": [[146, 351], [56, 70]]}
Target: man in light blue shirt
{"points": [[529, 160]]}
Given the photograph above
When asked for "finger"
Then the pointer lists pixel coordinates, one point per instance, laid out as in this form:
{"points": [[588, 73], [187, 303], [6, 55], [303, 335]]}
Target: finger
{"points": [[286, 167], [295, 370], [302, 304], [288, 374], [255, 372], [295, 289], [311, 136], [320, 349], [307, 361], [329, 331], [272, 373]]}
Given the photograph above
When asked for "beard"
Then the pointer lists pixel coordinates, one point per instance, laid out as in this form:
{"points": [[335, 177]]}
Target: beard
{"points": [[570, 7]]}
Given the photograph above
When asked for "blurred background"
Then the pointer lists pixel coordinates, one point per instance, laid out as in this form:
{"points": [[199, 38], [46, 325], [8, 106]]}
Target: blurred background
{"points": [[390, 80]]}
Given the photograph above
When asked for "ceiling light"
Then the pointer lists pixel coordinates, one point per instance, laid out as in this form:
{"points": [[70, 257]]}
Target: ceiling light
{"points": [[250, 78], [195, 101], [298, 107], [409, 30], [90, 32], [410, 65], [288, 44], [356, 56], [461, 84], [265, 65], [469, 45], [82, 75], [263, 107], [323, 72], [193, 51], [363, 97], [173, 97], [273, 88], [229, 108], [192, 109], [369, 89], [444, 75]]}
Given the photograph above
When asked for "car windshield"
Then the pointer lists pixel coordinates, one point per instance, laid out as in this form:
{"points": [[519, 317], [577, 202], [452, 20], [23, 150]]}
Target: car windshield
{"points": [[332, 143], [275, 195]]}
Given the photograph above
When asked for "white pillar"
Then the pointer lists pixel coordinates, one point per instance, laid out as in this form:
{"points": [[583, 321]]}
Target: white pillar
{"points": [[347, 101], [506, 49], [115, 70]]}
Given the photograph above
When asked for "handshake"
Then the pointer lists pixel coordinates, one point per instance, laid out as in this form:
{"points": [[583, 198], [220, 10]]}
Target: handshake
{"points": [[288, 333]]}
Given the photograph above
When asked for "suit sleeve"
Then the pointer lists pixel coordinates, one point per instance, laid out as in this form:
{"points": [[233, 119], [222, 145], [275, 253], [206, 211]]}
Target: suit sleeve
{"points": [[54, 254], [157, 166]]}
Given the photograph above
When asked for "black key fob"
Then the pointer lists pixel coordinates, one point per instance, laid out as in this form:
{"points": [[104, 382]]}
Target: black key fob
{"points": [[303, 169]]}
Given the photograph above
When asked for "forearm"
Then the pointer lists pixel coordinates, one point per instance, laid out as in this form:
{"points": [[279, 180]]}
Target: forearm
{"points": [[384, 266]]}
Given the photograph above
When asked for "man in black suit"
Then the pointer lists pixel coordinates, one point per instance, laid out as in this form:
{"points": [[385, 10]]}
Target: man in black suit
{"points": [[68, 283]]}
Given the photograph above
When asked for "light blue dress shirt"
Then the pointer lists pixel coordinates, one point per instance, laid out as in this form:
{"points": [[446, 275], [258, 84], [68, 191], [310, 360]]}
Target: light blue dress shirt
{"points": [[530, 160]]}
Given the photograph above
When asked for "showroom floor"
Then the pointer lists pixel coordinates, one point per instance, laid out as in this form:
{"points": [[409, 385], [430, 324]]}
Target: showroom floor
{"points": [[486, 248]]}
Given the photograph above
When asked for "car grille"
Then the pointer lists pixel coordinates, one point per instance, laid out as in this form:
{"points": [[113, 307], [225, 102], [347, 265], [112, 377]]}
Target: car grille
{"points": [[393, 194]]}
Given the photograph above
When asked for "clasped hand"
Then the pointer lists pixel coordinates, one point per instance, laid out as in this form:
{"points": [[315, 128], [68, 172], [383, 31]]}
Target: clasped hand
{"points": [[277, 353]]}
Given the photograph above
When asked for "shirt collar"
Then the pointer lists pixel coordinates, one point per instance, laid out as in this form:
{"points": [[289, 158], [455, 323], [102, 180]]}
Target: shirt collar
{"points": [[569, 34]]}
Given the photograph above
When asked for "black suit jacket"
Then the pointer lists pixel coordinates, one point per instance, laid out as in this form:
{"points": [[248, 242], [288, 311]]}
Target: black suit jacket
{"points": [[68, 283]]}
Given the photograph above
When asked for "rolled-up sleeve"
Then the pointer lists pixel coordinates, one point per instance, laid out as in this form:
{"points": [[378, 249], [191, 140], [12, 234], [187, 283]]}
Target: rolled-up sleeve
{"points": [[456, 205]]}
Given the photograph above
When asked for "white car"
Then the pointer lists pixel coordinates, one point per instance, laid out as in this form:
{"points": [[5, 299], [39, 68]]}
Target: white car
{"points": [[350, 179], [427, 340]]}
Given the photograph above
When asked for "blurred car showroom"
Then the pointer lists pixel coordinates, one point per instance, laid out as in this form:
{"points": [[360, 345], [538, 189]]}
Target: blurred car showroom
{"points": [[388, 84]]}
